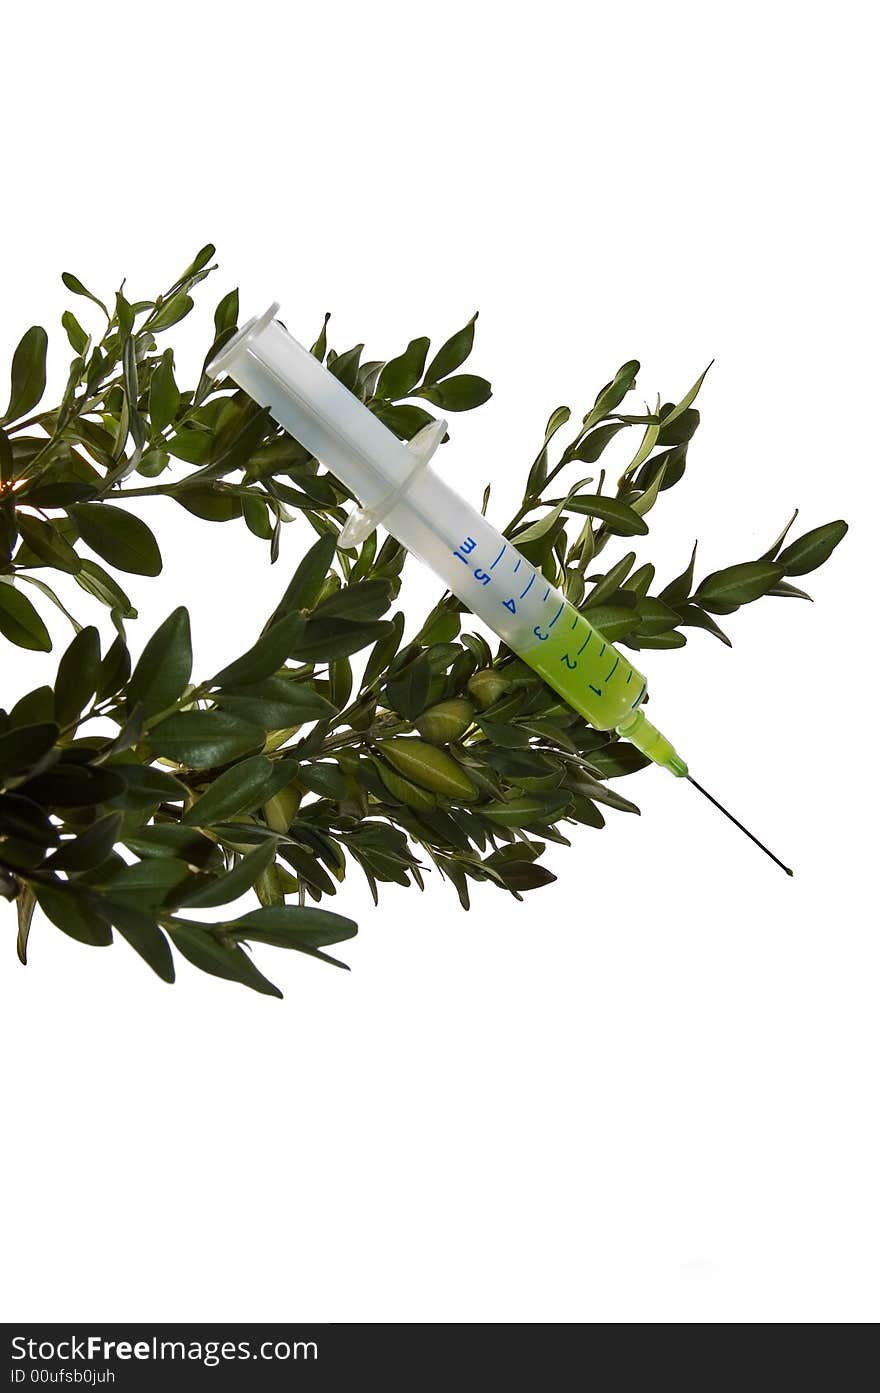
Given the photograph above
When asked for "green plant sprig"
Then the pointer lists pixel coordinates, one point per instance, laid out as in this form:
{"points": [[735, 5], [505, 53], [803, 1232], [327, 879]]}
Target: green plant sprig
{"points": [[132, 798]]}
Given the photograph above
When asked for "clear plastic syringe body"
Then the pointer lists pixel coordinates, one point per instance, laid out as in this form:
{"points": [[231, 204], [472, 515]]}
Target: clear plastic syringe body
{"points": [[470, 556]]}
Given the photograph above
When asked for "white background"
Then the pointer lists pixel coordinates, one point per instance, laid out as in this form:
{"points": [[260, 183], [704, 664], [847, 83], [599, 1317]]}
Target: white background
{"points": [[648, 1092]]}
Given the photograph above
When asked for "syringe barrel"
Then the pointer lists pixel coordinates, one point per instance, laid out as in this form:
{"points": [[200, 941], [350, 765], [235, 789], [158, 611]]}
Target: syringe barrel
{"points": [[470, 556]]}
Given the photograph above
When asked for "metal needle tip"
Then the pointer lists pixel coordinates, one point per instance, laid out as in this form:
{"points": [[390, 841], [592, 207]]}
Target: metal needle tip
{"points": [[736, 822]]}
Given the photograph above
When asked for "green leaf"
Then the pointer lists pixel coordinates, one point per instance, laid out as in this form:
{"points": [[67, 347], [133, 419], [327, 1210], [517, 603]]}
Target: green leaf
{"points": [[685, 402], [738, 585], [20, 623], [164, 395], [7, 467], [400, 375], [341, 682], [592, 445], [28, 373], [407, 690], [327, 639], [76, 334], [327, 780], [678, 430], [145, 787], [276, 703], [645, 502], [678, 590], [148, 882], [48, 544], [193, 447], [115, 669], [207, 953], [164, 668], [171, 312], [74, 284], [524, 810], [124, 315], [25, 821], [655, 617], [460, 393], [226, 313], [611, 581], [367, 599], [289, 926], [618, 517], [452, 354], [204, 739], [122, 539], [36, 707], [25, 904], [319, 347], [96, 582], [90, 848], [78, 673], [812, 549], [346, 366], [70, 785], [143, 934], [405, 421], [23, 745], [612, 621], [309, 576], [613, 394], [239, 790], [78, 914], [208, 501], [692, 617], [674, 639], [617, 758], [200, 260], [268, 654], [384, 650], [786, 591], [232, 884]]}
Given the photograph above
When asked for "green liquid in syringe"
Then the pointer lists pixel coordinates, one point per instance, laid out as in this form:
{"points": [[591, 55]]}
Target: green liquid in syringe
{"points": [[589, 673]]}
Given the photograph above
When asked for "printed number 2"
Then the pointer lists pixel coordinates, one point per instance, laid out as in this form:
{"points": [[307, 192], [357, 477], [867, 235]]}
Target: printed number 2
{"points": [[570, 663], [482, 576]]}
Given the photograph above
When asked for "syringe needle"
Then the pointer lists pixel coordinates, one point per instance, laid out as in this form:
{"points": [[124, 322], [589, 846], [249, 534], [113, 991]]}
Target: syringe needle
{"points": [[737, 823]]}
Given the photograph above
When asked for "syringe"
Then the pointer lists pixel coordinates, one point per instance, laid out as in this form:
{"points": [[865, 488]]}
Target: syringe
{"points": [[397, 488]]}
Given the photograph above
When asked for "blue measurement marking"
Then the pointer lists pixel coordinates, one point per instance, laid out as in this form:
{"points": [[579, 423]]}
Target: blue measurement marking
{"points": [[556, 615], [614, 669], [528, 588], [585, 642], [629, 678], [546, 593], [498, 557], [602, 649], [517, 566], [640, 695], [574, 622]]}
